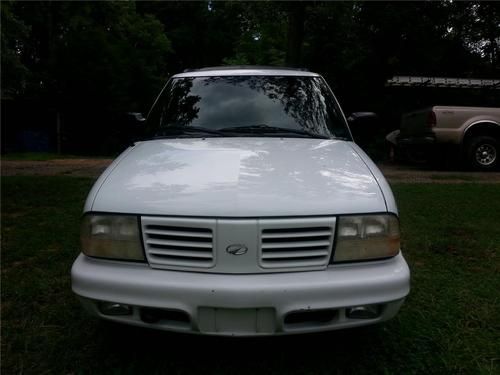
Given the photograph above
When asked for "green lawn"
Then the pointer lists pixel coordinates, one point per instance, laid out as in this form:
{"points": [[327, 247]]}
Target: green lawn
{"points": [[449, 324]]}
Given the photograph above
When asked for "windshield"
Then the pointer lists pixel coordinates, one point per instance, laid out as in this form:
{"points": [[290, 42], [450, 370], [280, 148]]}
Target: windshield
{"points": [[276, 106]]}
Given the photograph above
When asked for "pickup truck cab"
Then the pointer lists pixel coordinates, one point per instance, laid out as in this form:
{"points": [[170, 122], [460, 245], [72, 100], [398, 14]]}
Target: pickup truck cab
{"points": [[471, 132], [248, 210]]}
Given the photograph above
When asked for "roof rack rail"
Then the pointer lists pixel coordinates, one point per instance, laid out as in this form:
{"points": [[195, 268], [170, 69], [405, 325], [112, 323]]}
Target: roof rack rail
{"points": [[231, 67], [417, 81]]}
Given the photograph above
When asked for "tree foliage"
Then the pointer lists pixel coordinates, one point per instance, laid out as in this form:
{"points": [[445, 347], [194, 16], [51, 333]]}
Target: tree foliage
{"points": [[94, 61]]}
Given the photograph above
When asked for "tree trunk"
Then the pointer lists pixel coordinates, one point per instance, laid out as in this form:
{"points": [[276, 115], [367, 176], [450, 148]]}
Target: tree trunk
{"points": [[296, 20], [58, 132]]}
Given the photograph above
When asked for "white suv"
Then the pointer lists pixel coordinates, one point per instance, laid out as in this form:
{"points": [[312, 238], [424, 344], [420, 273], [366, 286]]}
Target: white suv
{"points": [[248, 210]]}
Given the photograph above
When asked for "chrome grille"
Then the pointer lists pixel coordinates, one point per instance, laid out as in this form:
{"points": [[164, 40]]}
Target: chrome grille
{"points": [[171, 242], [292, 244]]}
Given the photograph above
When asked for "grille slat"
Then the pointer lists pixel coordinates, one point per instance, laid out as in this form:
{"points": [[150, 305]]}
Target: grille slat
{"points": [[301, 263], [159, 261], [178, 233], [181, 253], [169, 243], [288, 245], [317, 233], [295, 254], [156, 241]]}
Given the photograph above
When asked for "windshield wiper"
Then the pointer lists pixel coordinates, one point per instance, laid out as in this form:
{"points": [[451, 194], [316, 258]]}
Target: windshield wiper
{"points": [[175, 130], [263, 129]]}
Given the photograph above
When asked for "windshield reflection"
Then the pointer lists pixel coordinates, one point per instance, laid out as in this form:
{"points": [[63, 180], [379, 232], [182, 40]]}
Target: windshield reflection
{"points": [[298, 103]]}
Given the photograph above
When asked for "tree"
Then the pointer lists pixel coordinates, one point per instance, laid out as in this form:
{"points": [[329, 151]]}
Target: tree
{"points": [[89, 61], [14, 32], [93, 61]]}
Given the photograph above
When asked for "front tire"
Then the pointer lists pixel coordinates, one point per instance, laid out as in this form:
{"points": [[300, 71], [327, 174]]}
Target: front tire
{"points": [[482, 153]]}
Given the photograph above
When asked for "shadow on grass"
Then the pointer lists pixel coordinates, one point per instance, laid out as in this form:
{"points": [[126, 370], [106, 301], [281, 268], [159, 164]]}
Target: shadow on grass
{"points": [[160, 350]]}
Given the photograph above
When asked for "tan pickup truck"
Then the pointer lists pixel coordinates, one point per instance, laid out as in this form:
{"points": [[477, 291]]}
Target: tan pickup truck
{"points": [[472, 133]]}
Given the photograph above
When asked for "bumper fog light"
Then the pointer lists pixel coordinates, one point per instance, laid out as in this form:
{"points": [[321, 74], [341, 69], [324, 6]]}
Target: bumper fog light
{"points": [[112, 308], [363, 312]]}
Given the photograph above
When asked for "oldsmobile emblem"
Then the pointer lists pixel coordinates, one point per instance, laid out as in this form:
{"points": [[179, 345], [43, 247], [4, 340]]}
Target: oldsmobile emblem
{"points": [[236, 249]]}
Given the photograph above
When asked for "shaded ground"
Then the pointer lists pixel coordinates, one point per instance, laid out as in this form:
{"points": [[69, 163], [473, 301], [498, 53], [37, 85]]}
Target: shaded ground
{"points": [[93, 167]]}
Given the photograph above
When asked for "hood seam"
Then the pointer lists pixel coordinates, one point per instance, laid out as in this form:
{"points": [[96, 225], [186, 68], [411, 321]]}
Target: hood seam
{"points": [[108, 173], [374, 177]]}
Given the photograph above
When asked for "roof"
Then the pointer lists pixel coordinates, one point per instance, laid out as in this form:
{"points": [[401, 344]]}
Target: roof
{"points": [[245, 70]]}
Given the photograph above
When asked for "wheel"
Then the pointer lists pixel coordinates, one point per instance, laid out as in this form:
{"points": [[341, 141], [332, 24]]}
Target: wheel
{"points": [[482, 153]]}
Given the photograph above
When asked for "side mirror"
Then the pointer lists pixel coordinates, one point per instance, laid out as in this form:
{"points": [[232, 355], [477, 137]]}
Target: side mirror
{"points": [[136, 118], [133, 127], [358, 117], [364, 126]]}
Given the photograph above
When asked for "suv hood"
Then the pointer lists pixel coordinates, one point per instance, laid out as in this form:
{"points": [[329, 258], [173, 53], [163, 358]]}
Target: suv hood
{"points": [[238, 177]]}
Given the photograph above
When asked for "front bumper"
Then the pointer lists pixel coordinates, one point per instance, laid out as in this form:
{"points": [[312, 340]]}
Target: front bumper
{"points": [[249, 304]]}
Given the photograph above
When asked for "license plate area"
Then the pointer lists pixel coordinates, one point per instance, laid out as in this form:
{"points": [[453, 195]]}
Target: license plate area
{"points": [[237, 321]]}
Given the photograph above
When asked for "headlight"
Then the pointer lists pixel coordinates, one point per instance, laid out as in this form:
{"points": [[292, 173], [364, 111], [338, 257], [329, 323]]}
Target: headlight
{"points": [[111, 236], [366, 237]]}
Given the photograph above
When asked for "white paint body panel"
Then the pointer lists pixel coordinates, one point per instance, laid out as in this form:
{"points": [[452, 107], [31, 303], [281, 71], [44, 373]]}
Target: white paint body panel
{"points": [[240, 177]]}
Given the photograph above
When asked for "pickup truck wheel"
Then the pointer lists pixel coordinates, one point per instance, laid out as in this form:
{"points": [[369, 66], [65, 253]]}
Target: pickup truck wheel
{"points": [[483, 153]]}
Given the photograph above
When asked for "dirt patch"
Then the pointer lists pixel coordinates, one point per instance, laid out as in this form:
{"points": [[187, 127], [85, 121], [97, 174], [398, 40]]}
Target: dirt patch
{"points": [[409, 174], [94, 167], [71, 167]]}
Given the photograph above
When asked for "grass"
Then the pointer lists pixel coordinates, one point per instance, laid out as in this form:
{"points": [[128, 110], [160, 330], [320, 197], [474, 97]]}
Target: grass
{"points": [[450, 323], [458, 177]]}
